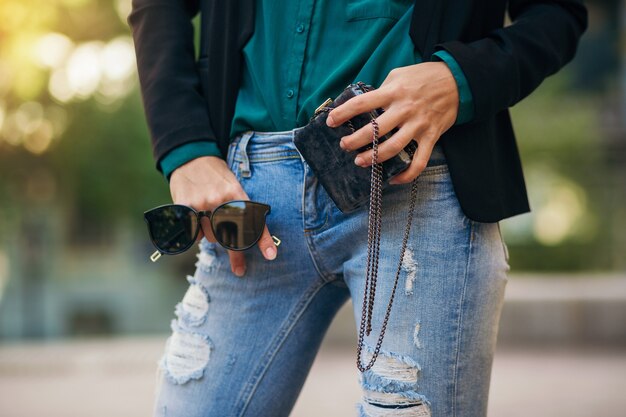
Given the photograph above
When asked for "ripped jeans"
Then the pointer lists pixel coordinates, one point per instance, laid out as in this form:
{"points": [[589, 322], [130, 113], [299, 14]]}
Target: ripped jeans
{"points": [[244, 346]]}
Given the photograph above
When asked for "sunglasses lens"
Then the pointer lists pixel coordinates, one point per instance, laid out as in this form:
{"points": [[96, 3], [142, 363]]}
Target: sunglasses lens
{"points": [[239, 224], [172, 228]]}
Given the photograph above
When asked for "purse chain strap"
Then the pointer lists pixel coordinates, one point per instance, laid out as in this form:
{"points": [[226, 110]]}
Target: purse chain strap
{"points": [[373, 247], [373, 250]]}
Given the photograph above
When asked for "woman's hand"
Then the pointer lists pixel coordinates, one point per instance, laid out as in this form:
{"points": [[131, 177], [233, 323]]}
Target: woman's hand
{"points": [[422, 100], [206, 182]]}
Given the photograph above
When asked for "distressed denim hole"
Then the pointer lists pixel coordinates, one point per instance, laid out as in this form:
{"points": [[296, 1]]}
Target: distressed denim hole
{"points": [[186, 355], [409, 266], [207, 257], [390, 368], [194, 307], [416, 332], [417, 409], [390, 387]]}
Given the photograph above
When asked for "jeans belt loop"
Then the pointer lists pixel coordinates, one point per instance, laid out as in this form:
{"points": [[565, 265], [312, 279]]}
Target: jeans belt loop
{"points": [[244, 165]]}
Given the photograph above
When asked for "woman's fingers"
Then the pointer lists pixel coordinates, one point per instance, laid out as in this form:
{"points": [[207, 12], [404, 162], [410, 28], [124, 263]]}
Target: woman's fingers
{"points": [[237, 262], [389, 148], [266, 245], [418, 164], [238, 259], [421, 100], [204, 184], [206, 229], [357, 105], [386, 122]]}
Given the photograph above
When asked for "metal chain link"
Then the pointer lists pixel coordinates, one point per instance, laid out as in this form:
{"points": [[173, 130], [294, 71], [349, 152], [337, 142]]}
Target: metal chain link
{"points": [[373, 250], [373, 247]]}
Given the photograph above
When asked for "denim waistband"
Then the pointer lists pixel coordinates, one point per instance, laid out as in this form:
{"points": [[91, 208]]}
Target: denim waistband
{"points": [[256, 141]]}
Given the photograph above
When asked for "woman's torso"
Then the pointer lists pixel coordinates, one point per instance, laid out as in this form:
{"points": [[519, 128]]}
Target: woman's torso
{"points": [[302, 52]]}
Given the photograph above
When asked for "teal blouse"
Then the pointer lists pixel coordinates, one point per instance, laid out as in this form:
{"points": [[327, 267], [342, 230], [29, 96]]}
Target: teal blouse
{"points": [[303, 52]]}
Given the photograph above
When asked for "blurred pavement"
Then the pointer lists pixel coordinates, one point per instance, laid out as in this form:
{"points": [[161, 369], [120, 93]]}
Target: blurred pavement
{"points": [[561, 352], [115, 377]]}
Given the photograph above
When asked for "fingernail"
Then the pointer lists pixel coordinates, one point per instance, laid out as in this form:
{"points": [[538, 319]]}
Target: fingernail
{"points": [[240, 270], [359, 161], [342, 144], [270, 253], [329, 121]]}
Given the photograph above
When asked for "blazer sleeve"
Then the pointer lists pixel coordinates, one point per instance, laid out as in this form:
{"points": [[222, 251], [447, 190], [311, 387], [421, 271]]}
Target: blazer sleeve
{"points": [[508, 64], [175, 109]]}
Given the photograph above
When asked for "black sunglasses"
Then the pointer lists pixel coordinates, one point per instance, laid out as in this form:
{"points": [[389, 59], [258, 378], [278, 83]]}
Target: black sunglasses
{"points": [[236, 225]]}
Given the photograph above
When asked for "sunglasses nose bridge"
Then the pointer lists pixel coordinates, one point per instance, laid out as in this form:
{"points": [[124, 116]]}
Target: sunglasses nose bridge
{"points": [[204, 213], [207, 214]]}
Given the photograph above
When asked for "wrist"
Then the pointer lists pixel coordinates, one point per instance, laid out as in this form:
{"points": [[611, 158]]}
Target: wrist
{"points": [[197, 164], [185, 153], [465, 99]]}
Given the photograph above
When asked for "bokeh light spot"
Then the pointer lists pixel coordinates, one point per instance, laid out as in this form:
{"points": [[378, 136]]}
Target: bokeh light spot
{"points": [[29, 116], [59, 86], [557, 218], [53, 49], [38, 141], [118, 59], [84, 69]]}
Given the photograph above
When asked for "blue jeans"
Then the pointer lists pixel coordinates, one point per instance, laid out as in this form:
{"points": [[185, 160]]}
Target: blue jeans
{"points": [[244, 346]]}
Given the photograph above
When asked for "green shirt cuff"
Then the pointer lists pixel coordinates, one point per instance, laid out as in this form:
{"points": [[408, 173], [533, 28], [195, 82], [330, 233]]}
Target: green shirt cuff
{"points": [[466, 102], [185, 153]]}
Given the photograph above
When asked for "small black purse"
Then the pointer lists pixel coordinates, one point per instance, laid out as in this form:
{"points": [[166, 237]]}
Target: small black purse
{"points": [[350, 186], [346, 183]]}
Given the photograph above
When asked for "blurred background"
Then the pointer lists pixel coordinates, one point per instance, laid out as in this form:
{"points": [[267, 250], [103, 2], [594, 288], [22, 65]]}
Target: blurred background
{"points": [[84, 314]]}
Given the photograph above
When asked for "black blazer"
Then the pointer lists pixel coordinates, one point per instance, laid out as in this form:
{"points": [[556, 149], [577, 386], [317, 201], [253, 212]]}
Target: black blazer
{"points": [[187, 99]]}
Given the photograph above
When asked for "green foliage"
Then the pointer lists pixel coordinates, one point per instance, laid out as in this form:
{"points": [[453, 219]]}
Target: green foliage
{"points": [[559, 125], [102, 169], [106, 162], [99, 170], [559, 132]]}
